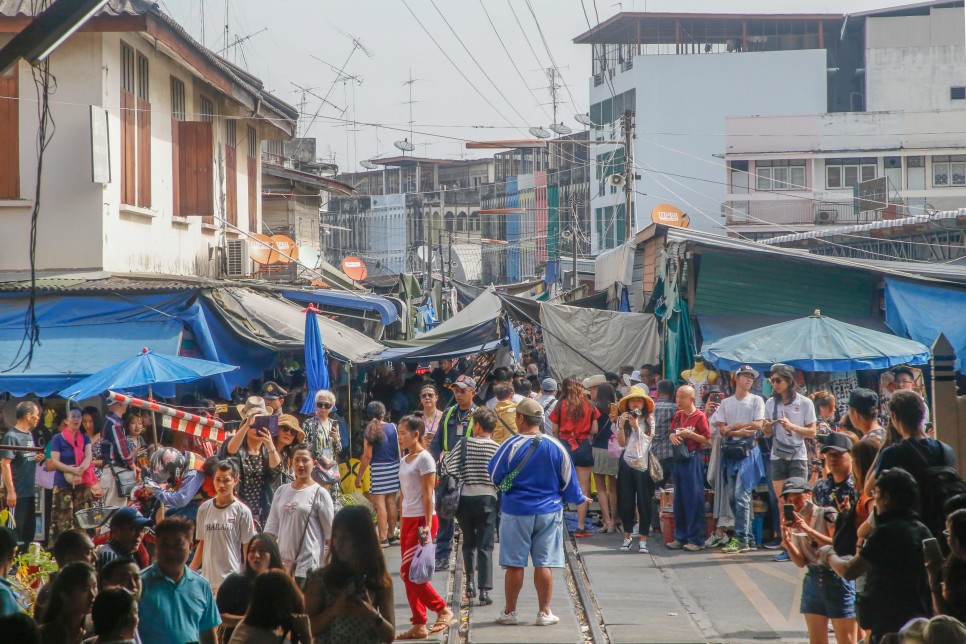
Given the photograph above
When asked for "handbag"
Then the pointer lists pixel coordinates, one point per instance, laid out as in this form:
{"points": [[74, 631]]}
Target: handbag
{"points": [[450, 487], [738, 450], [506, 483], [655, 468], [124, 480], [680, 452]]}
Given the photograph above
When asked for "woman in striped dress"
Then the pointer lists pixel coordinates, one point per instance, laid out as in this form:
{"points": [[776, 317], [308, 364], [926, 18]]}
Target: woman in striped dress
{"points": [[381, 454]]}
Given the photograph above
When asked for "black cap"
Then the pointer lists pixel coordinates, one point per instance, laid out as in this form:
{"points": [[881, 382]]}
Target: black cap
{"points": [[795, 485], [8, 540], [837, 441], [864, 401], [272, 391]]}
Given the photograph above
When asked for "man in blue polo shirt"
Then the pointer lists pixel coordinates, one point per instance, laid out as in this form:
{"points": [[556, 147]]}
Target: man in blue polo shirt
{"points": [[176, 603]]}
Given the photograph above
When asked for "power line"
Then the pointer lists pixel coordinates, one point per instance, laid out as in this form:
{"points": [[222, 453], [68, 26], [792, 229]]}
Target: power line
{"points": [[550, 55]]}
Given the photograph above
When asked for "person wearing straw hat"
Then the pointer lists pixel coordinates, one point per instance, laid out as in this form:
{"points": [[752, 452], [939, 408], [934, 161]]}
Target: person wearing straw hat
{"points": [[635, 487], [259, 462], [290, 434]]}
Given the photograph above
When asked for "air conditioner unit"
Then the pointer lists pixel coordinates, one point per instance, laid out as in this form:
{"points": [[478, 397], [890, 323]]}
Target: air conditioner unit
{"points": [[826, 216], [239, 259]]}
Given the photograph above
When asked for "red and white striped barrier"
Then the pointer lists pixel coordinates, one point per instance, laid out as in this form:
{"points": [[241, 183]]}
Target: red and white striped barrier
{"points": [[176, 419], [195, 429]]}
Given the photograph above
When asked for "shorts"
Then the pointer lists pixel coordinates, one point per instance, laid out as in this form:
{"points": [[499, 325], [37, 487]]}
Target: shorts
{"points": [[536, 537], [825, 593], [604, 463], [782, 470]]}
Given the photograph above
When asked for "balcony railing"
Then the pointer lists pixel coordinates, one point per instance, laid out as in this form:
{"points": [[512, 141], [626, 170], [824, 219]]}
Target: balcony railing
{"points": [[786, 212]]}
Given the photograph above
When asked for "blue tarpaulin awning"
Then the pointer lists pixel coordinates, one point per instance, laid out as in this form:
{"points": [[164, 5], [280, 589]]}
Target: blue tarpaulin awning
{"points": [[922, 312], [346, 300]]}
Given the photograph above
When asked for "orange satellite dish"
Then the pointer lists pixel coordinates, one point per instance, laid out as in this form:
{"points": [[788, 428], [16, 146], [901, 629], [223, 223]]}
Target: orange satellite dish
{"points": [[669, 215], [261, 249], [355, 268], [285, 249]]}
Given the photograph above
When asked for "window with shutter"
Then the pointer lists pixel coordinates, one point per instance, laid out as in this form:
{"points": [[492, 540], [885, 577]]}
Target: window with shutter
{"points": [[9, 136], [253, 180], [135, 129], [231, 172], [195, 167], [177, 116], [143, 133]]}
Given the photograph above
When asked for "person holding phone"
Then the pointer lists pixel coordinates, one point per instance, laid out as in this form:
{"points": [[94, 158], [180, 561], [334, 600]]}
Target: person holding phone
{"points": [[259, 463], [947, 579]]}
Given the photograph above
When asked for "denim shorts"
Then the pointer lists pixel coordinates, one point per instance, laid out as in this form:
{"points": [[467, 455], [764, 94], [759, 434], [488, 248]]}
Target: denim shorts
{"points": [[825, 593], [782, 469], [538, 537]]}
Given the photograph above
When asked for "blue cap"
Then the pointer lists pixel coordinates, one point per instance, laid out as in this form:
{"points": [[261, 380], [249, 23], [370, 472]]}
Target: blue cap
{"points": [[129, 516]]}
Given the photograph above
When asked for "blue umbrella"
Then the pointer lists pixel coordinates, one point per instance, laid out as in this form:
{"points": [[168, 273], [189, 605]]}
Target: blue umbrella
{"points": [[316, 364], [815, 343], [144, 370]]}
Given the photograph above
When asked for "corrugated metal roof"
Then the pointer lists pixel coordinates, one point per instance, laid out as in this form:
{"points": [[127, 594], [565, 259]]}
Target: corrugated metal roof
{"points": [[114, 7], [862, 228]]}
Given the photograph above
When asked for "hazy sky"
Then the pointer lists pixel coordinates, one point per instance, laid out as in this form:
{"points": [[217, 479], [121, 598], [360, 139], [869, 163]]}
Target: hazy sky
{"points": [[446, 104]]}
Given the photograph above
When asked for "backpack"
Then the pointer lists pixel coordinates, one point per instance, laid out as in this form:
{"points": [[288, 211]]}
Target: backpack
{"points": [[937, 484]]}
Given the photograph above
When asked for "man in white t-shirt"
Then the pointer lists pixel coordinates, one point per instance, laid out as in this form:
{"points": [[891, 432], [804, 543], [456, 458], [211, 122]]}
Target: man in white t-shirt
{"points": [[224, 526], [502, 375], [738, 420]]}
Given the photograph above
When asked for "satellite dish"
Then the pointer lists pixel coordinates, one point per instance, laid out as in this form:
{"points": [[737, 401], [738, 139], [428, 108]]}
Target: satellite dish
{"points": [[583, 119], [260, 249], [368, 165], [355, 268], [669, 215], [422, 253], [560, 128], [285, 250], [405, 145], [540, 133], [309, 257]]}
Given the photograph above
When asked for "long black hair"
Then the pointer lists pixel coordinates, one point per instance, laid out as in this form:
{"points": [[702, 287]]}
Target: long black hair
{"points": [[274, 555], [71, 577], [356, 520]]}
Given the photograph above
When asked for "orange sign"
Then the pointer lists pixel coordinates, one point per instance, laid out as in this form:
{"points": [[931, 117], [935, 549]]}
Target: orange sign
{"points": [[261, 249], [285, 249], [355, 268], [669, 216]]}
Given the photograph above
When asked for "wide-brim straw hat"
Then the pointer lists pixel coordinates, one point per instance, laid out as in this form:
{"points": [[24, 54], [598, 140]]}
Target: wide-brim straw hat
{"points": [[636, 392], [290, 421]]}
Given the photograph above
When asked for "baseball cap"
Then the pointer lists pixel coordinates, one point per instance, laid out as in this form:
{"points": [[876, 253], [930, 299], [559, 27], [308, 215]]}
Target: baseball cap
{"points": [[864, 401], [464, 382], [530, 407], [743, 369], [129, 516], [548, 384], [837, 441], [796, 485], [272, 391]]}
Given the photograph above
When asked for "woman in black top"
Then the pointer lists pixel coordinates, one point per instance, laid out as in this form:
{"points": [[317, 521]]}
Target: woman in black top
{"points": [[235, 593], [605, 466]]}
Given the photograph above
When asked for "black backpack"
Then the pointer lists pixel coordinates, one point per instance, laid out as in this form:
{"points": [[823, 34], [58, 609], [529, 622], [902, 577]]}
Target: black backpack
{"points": [[937, 484]]}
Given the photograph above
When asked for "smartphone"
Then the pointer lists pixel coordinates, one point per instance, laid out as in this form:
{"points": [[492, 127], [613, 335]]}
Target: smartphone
{"points": [[715, 397], [358, 586], [263, 421], [614, 410], [930, 551], [789, 512]]}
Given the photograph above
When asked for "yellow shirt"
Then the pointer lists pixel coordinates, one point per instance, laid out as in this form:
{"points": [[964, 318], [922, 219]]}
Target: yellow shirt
{"points": [[506, 410]]}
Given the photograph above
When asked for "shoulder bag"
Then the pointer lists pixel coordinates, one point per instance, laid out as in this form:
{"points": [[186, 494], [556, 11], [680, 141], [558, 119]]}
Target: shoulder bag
{"points": [[124, 480], [450, 487], [305, 529], [507, 482]]}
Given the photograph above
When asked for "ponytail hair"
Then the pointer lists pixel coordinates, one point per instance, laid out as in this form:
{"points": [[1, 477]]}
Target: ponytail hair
{"points": [[374, 433]]}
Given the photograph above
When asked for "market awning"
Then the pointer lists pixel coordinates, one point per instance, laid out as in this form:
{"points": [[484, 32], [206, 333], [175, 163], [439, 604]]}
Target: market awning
{"points": [[923, 312], [346, 300], [715, 327], [68, 354], [481, 338]]}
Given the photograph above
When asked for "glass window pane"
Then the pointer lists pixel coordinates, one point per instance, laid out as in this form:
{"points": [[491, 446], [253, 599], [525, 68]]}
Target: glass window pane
{"points": [[868, 172], [833, 176], [780, 178], [958, 172], [796, 178], [850, 176], [940, 174]]}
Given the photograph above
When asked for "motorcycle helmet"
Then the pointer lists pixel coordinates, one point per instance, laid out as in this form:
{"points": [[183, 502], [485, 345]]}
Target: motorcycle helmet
{"points": [[167, 465]]}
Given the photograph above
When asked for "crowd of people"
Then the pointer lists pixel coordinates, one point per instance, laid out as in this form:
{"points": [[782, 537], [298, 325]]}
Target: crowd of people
{"points": [[252, 540]]}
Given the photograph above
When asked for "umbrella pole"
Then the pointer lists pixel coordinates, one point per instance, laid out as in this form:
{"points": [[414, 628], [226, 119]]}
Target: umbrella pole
{"points": [[154, 419]]}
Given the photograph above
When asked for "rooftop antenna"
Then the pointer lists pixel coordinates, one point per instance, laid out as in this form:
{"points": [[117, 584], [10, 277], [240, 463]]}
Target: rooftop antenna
{"points": [[341, 75], [410, 81], [239, 40], [553, 87]]}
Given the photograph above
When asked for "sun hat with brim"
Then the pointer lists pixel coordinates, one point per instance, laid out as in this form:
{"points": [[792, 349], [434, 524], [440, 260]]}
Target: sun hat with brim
{"points": [[254, 405], [633, 378], [636, 392], [290, 421], [594, 381]]}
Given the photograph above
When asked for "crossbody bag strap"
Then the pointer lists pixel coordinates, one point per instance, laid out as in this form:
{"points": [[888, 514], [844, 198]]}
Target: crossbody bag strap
{"points": [[305, 529], [508, 428]]}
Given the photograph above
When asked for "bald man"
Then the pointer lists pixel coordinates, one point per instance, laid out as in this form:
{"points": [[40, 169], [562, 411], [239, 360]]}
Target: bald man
{"points": [[690, 428]]}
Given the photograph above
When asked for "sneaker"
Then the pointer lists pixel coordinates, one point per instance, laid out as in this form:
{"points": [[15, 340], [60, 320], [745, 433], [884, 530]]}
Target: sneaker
{"points": [[508, 619], [774, 544], [693, 547], [733, 547], [715, 540], [580, 534], [626, 545], [636, 532], [752, 545], [782, 556], [442, 564], [384, 543], [547, 619], [675, 545], [747, 547], [642, 548]]}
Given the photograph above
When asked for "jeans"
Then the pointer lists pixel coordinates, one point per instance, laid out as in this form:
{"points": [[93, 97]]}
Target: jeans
{"points": [[634, 489], [740, 499], [689, 522], [477, 520], [444, 540]]}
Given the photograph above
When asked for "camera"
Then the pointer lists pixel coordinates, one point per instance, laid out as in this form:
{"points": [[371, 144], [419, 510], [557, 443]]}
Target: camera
{"points": [[636, 413]]}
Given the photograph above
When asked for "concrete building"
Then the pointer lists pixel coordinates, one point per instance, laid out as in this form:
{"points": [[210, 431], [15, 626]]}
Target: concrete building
{"points": [[154, 163], [682, 75], [798, 173]]}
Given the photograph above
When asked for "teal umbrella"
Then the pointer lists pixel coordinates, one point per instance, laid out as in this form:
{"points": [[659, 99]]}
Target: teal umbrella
{"points": [[815, 343]]}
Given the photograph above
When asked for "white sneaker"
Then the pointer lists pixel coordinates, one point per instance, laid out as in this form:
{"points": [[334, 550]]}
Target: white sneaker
{"points": [[547, 619], [626, 545], [508, 619], [636, 531], [642, 547]]}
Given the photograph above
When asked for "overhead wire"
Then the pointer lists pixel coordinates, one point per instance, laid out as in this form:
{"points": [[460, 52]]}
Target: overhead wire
{"points": [[553, 62]]}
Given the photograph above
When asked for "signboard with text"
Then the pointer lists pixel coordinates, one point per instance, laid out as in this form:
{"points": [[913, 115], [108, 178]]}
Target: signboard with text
{"points": [[873, 194]]}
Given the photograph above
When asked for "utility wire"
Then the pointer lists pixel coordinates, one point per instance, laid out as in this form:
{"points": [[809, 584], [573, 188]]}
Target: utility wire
{"points": [[550, 55]]}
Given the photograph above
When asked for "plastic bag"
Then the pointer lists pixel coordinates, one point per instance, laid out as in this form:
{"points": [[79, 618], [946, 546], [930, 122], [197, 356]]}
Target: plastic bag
{"points": [[423, 565], [638, 448], [614, 448]]}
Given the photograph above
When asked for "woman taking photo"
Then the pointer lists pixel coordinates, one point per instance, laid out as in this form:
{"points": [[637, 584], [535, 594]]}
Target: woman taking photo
{"points": [[605, 466], [381, 454], [635, 487], [277, 613], [574, 423], [72, 595], [258, 460], [235, 593], [428, 398], [323, 431], [70, 456], [417, 478], [350, 601]]}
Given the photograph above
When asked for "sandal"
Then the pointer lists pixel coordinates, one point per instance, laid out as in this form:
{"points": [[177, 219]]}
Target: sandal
{"points": [[442, 623], [417, 632]]}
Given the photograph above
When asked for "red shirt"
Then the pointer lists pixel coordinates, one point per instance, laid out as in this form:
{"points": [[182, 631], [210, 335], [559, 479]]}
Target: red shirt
{"points": [[695, 421], [575, 431]]}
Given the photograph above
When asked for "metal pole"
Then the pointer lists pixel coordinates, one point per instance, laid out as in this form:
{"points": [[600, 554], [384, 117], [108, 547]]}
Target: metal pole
{"points": [[573, 236], [450, 281], [427, 279], [628, 170]]}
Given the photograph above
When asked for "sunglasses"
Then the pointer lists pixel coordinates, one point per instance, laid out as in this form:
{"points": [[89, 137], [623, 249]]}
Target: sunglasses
{"points": [[283, 428], [427, 395], [776, 379], [324, 405]]}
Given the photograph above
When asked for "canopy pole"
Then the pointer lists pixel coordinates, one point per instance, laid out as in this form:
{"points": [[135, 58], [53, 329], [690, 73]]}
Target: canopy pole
{"points": [[154, 418]]}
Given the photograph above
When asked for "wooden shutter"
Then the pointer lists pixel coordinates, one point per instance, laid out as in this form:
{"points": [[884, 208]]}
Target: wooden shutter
{"points": [[253, 195], [9, 138], [231, 185], [196, 180], [128, 153], [144, 133], [176, 166]]}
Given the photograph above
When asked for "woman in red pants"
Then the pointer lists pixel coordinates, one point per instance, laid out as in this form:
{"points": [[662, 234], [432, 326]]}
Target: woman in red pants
{"points": [[417, 480]]}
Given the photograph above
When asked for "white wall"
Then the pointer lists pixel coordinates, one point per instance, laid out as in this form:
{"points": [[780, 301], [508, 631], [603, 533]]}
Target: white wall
{"points": [[386, 220], [911, 62]]}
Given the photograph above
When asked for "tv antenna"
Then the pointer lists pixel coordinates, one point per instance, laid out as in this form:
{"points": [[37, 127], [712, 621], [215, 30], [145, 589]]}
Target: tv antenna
{"points": [[341, 75]]}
